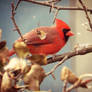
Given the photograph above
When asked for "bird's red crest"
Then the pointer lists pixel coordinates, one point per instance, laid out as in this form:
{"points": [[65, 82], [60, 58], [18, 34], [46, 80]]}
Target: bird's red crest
{"points": [[61, 24]]}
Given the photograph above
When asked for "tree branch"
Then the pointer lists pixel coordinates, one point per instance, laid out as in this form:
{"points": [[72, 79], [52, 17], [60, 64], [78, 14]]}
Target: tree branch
{"points": [[81, 51], [56, 13], [17, 4], [86, 13], [44, 3], [14, 22]]}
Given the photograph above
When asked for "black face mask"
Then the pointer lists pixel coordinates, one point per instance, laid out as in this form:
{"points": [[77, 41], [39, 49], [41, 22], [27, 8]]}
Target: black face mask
{"points": [[65, 36]]}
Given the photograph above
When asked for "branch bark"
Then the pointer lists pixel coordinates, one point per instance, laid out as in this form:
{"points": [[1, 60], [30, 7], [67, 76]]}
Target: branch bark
{"points": [[44, 3], [81, 51], [14, 22]]}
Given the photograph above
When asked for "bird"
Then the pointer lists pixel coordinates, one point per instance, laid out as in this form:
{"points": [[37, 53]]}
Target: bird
{"points": [[46, 40]]}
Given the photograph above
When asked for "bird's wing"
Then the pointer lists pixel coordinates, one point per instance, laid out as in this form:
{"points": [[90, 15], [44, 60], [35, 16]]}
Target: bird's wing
{"points": [[41, 35]]}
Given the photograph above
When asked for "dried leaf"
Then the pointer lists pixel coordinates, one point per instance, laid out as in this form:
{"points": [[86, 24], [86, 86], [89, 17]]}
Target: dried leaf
{"points": [[7, 84], [14, 73], [34, 77], [66, 74], [42, 35], [4, 57], [38, 59], [2, 44], [21, 49], [17, 64], [1, 75]]}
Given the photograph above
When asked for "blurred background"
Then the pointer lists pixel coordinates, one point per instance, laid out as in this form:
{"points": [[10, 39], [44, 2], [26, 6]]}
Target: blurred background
{"points": [[81, 64], [29, 15]]}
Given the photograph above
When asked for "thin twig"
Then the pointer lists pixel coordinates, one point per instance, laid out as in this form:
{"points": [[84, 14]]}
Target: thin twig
{"points": [[65, 86], [53, 2], [55, 6], [17, 4], [57, 65], [14, 22], [53, 76], [56, 13], [86, 13], [51, 8]]}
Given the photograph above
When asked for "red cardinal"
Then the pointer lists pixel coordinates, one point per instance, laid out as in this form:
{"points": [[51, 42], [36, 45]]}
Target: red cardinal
{"points": [[54, 38]]}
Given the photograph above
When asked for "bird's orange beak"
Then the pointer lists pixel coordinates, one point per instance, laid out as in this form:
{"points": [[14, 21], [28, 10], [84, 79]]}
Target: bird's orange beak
{"points": [[69, 33]]}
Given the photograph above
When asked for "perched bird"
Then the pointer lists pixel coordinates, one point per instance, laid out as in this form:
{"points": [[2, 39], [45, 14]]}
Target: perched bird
{"points": [[46, 40]]}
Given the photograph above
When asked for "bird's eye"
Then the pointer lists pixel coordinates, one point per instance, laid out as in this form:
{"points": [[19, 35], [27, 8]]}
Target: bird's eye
{"points": [[66, 30], [65, 34]]}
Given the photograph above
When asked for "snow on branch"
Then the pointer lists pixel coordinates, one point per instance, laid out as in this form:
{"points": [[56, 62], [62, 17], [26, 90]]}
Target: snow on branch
{"points": [[81, 50]]}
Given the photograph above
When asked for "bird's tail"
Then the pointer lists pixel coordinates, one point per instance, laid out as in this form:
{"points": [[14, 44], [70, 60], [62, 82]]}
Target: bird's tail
{"points": [[11, 52]]}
